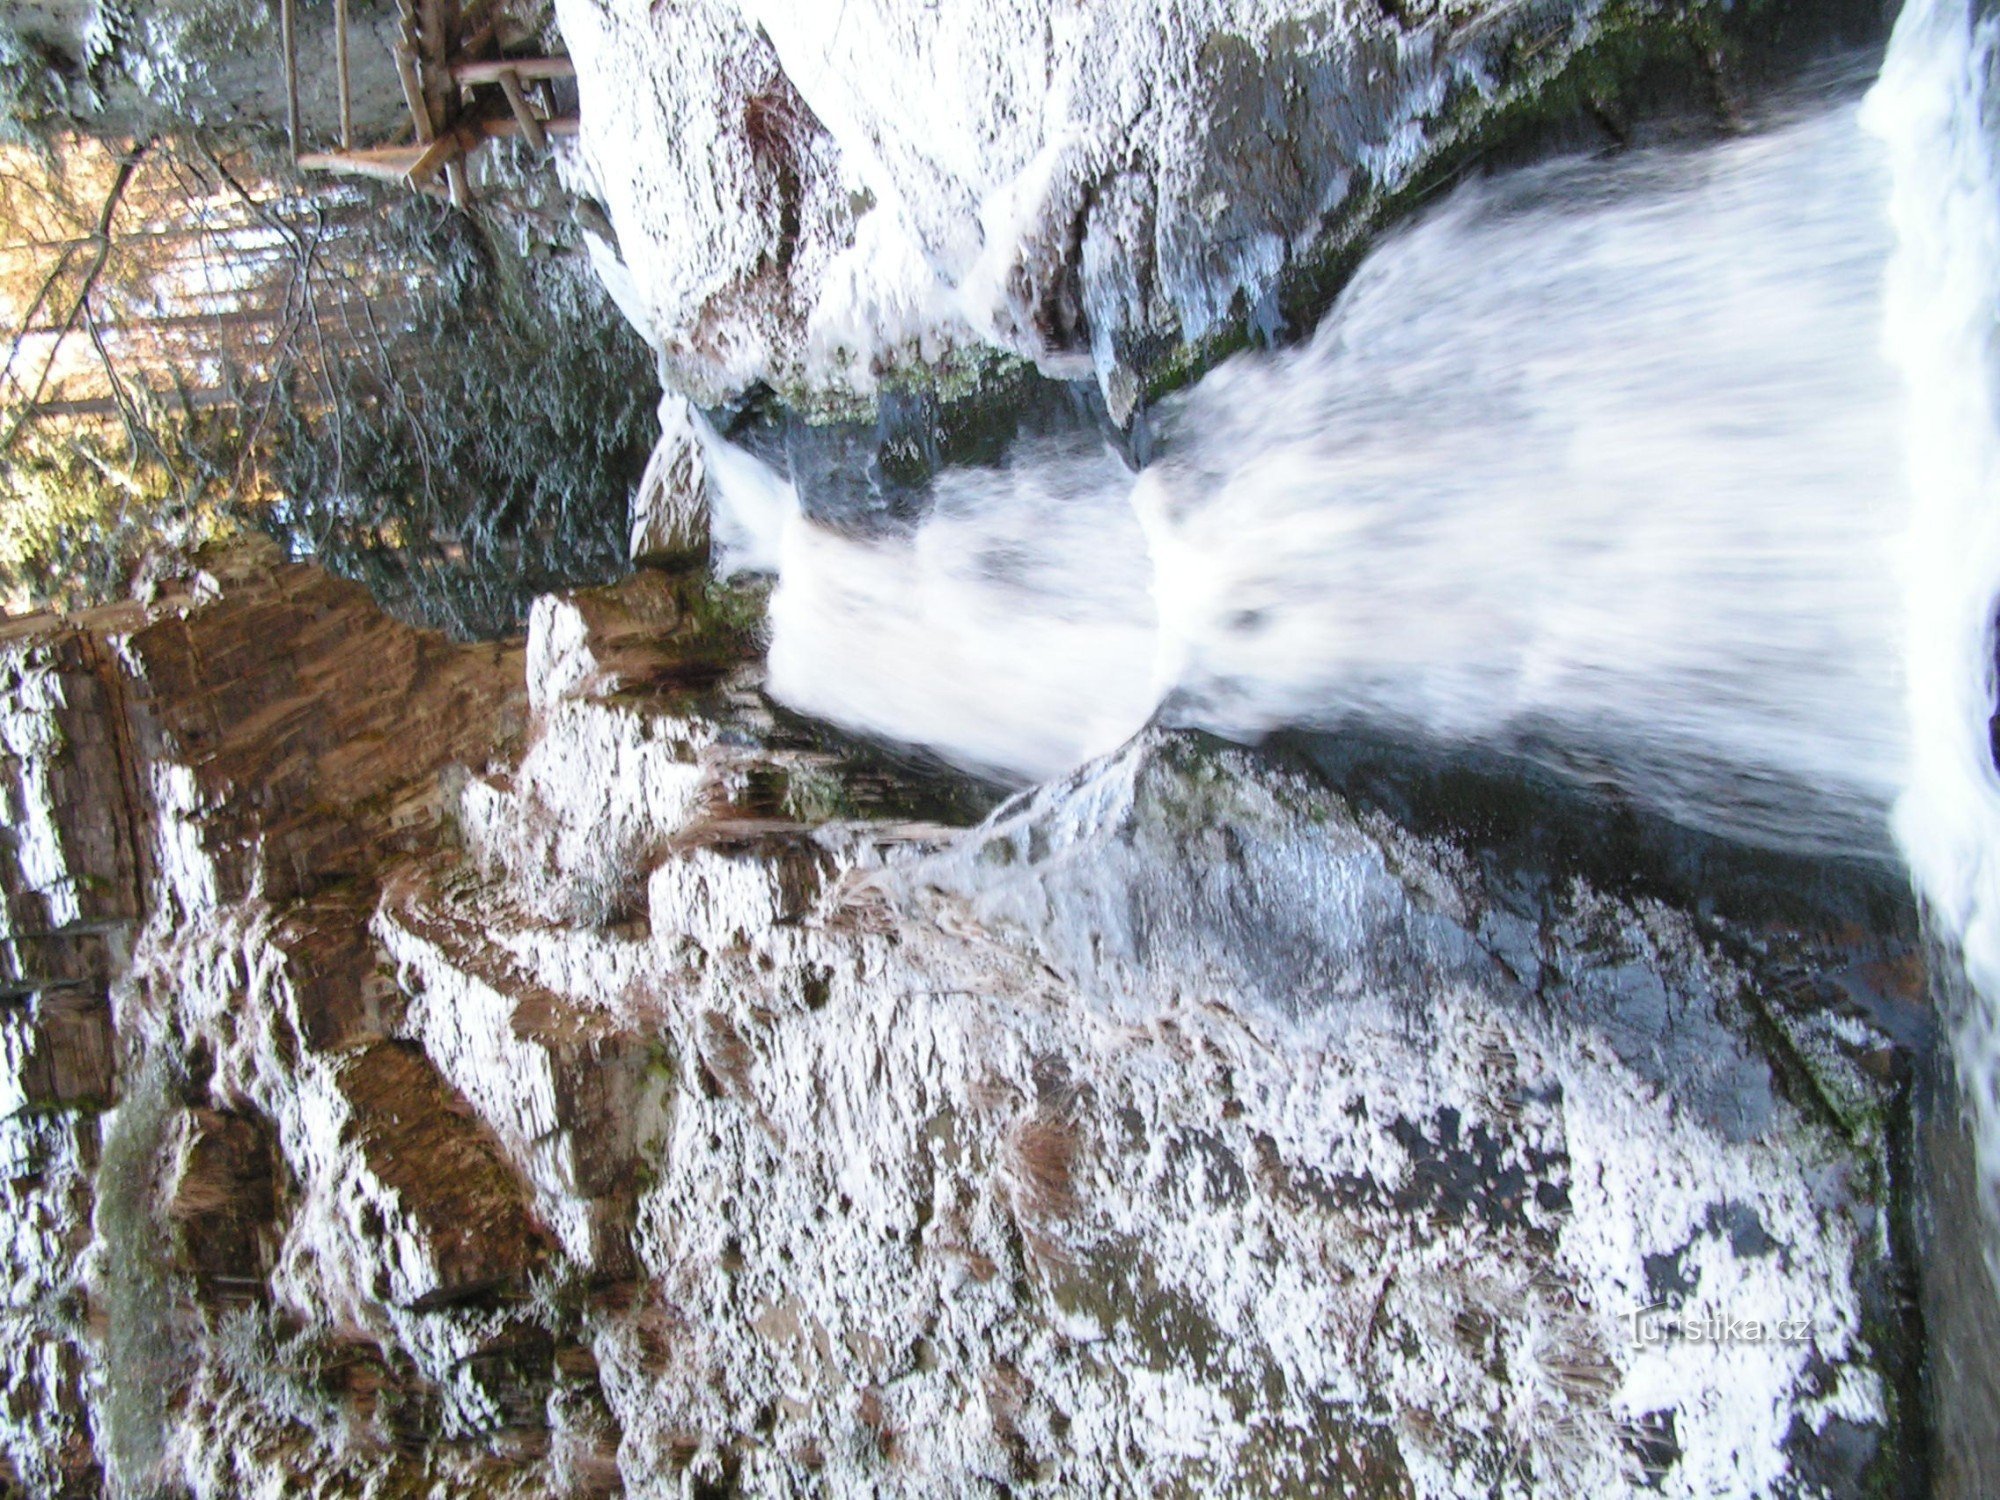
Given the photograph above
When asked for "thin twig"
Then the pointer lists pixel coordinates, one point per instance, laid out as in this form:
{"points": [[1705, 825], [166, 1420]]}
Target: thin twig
{"points": [[101, 237]]}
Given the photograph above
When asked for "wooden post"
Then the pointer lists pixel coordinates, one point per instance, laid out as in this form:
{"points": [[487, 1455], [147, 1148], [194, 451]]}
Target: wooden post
{"points": [[413, 94], [288, 25], [346, 79], [531, 125], [434, 53]]}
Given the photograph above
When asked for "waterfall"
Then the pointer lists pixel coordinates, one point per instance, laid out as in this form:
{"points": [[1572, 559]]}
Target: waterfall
{"points": [[1595, 463], [1607, 463], [1933, 109], [1677, 471]]}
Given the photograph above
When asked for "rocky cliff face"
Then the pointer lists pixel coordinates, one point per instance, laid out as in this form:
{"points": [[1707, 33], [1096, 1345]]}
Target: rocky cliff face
{"points": [[819, 196], [546, 1070], [826, 198]]}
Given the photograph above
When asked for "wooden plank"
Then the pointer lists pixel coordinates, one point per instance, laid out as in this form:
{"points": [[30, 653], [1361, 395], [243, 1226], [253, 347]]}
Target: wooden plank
{"points": [[344, 74], [530, 122], [391, 164], [439, 154], [288, 28], [489, 70], [506, 127], [324, 161], [459, 182], [413, 95], [381, 155]]}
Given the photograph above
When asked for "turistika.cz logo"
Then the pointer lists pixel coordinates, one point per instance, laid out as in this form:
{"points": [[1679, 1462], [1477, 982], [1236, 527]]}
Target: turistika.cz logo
{"points": [[1657, 1325]]}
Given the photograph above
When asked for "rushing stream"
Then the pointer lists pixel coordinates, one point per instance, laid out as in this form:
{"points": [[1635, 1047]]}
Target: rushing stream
{"points": [[1676, 471], [1597, 461]]}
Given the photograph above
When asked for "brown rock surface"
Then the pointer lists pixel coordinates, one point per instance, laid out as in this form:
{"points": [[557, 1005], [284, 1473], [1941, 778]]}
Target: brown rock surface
{"points": [[448, 1196], [598, 1082], [56, 1049], [225, 1196]]}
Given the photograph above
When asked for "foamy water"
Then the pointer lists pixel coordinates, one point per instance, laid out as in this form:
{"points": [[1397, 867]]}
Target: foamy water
{"points": [[1931, 111], [1597, 463]]}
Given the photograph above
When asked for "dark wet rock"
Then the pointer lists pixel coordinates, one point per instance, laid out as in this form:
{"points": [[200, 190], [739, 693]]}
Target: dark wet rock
{"points": [[875, 477], [1960, 1309]]}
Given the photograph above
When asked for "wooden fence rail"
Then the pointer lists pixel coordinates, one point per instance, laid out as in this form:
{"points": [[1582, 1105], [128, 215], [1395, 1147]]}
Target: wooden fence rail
{"points": [[459, 91]]}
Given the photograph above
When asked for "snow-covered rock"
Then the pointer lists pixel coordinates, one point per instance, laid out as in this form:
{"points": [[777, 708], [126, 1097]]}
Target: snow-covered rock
{"points": [[819, 195], [670, 509], [1179, 1127]]}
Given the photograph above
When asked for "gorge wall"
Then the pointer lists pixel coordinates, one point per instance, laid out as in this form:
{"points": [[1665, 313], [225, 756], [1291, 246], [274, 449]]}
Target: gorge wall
{"points": [[846, 202], [548, 1069]]}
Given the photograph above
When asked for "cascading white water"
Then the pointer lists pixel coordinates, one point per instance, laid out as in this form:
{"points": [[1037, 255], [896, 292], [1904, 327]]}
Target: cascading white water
{"points": [[1014, 631], [1597, 462], [1934, 111]]}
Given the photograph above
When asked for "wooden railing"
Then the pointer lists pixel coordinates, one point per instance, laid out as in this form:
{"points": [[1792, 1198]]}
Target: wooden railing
{"points": [[460, 93]]}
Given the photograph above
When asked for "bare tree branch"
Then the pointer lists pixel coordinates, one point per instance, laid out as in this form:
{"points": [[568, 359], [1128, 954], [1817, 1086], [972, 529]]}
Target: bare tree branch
{"points": [[101, 237]]}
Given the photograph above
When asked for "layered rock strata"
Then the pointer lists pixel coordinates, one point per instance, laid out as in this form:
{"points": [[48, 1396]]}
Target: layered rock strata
{"points": [[548, 1070]]}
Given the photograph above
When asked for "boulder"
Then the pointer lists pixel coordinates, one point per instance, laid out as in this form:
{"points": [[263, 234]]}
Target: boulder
{"points": [[670, 507]]}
